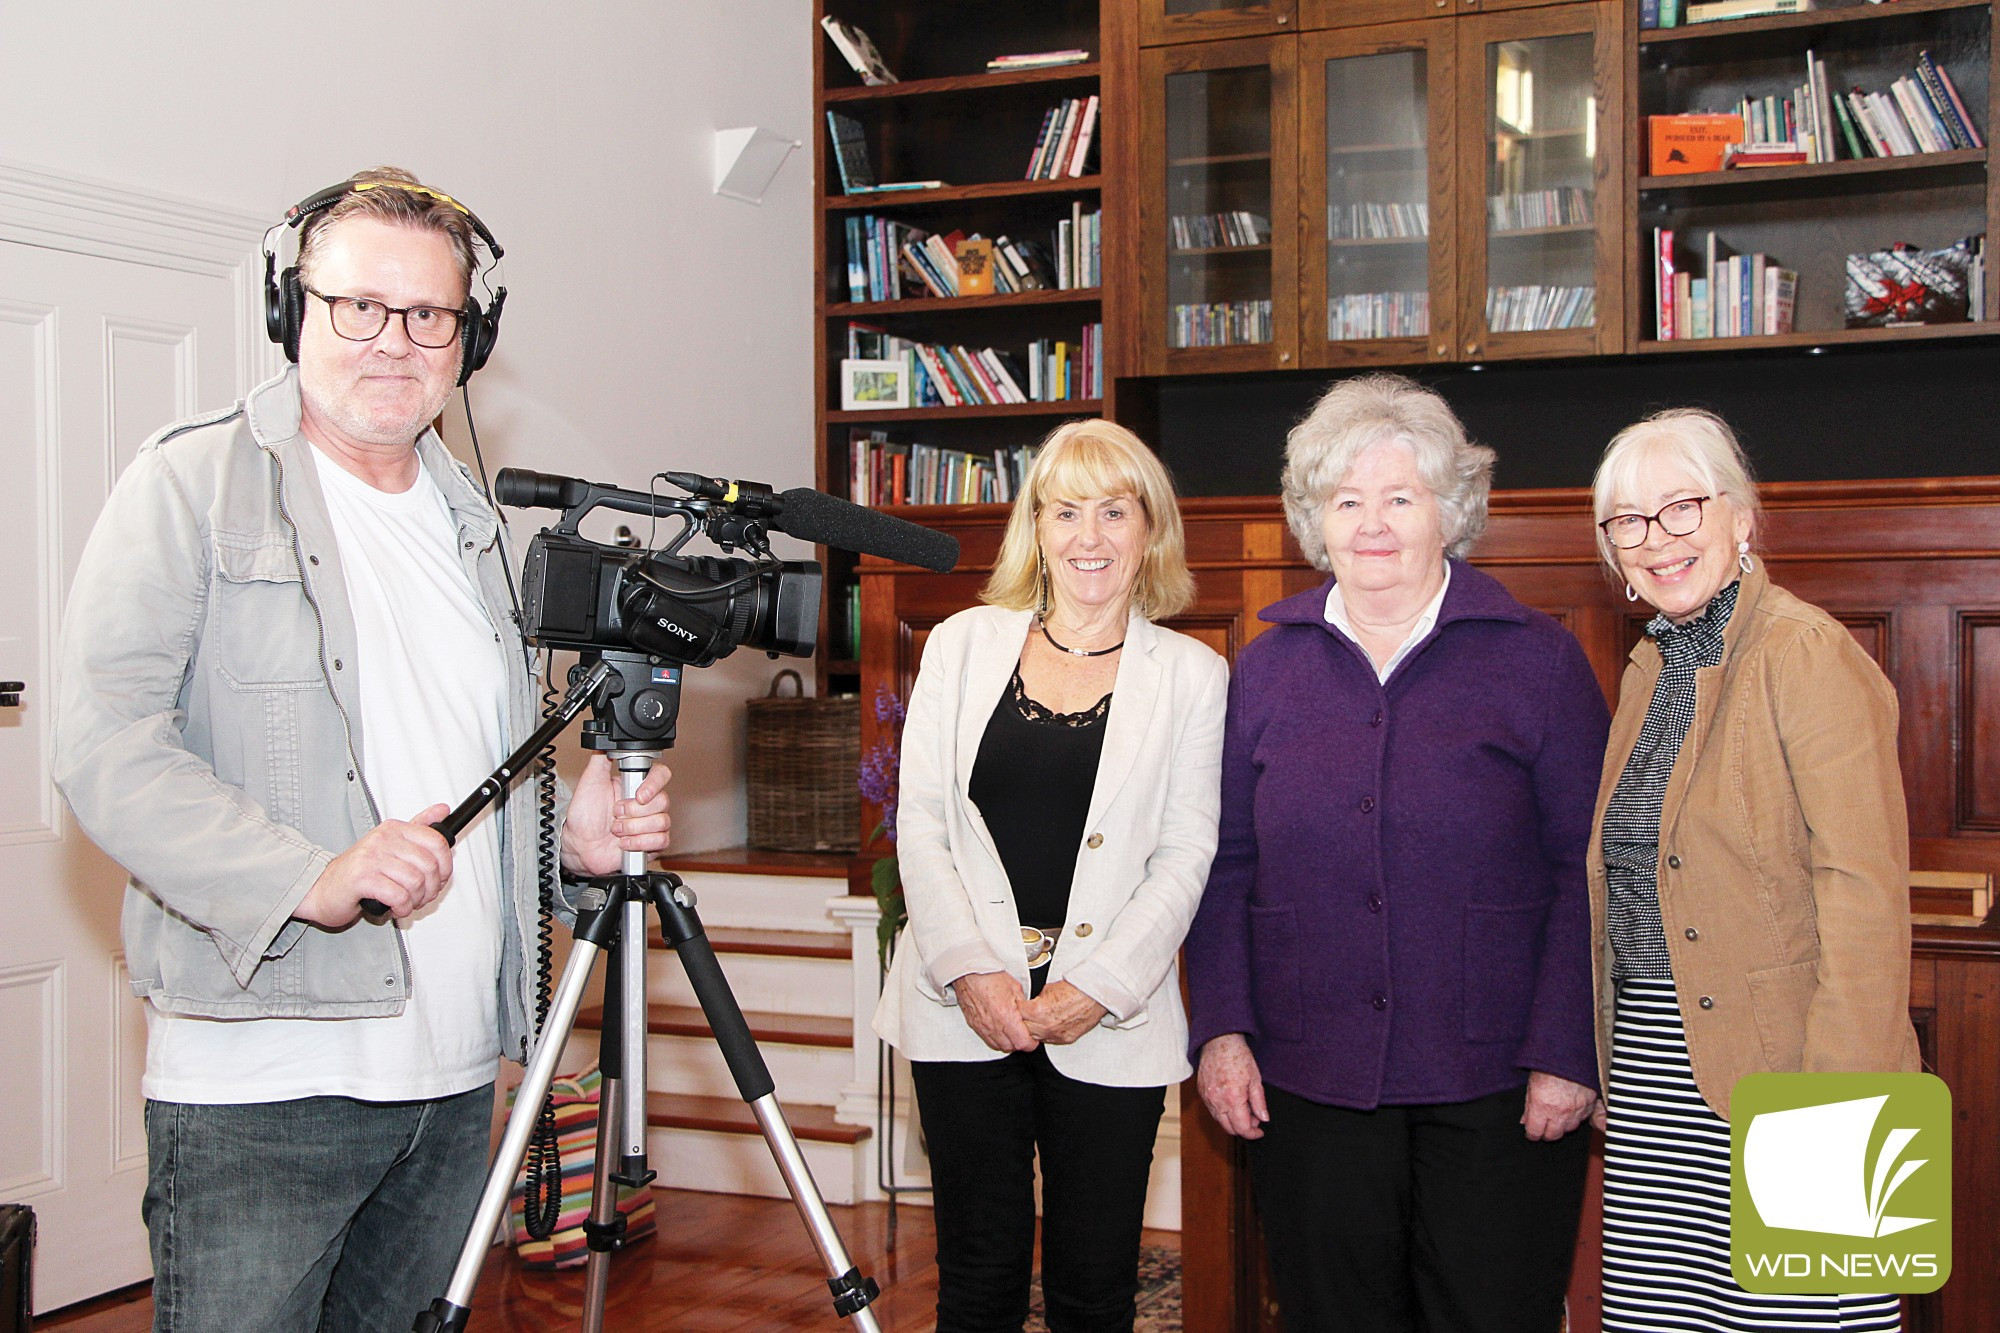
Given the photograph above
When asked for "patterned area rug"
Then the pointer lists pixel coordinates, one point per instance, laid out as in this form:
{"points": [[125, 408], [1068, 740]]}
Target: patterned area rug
{"points": [[1159, 1293]]}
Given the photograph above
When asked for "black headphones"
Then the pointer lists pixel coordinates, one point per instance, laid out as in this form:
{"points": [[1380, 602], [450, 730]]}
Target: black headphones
{"points": [[285, 294]]}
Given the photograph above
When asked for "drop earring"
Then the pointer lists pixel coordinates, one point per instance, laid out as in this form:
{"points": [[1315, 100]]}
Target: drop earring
{"points": [[1631, 593], [1743, 561], [1041, 588]]}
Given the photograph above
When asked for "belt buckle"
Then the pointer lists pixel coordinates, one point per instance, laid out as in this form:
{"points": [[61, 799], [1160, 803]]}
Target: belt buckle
{"points": [[1040, 945]]}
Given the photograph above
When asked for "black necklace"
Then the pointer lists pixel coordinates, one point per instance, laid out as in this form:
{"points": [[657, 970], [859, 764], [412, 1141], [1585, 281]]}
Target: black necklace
{"points": [[1079, 652]]}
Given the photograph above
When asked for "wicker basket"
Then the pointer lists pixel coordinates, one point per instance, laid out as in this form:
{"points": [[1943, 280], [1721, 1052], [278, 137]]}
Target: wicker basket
{"points": [[803, 771]]}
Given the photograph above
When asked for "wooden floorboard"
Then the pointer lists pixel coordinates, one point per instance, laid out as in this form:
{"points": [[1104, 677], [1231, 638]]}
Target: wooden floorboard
{"points": [[721, 1264]]}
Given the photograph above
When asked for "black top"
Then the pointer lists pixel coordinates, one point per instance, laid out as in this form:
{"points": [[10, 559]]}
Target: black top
{"points": [[1032, 782], [1632, 817]]}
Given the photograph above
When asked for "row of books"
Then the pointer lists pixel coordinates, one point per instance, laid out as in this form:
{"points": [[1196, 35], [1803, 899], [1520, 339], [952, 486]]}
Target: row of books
{"points": [[859, 52], [889, 260], [1080, 248], [1208, 231], [1038, 60], [1537, 307], [1062, 149], [1378, 315], [1220, 323], [949, 375], [887, 472], [1376, 222], [1564, 206], [1733, 296], [1063, 371], [1672, 13]]}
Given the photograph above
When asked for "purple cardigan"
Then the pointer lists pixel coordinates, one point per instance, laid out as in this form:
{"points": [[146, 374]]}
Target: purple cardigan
{"points": [[1397, 911]]}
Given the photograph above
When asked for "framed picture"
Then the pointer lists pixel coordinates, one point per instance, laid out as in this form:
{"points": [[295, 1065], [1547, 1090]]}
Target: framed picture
{"points": [[873, 384]]}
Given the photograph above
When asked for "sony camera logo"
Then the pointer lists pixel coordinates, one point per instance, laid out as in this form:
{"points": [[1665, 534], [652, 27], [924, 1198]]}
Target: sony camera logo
{"points": [[671, 628]]}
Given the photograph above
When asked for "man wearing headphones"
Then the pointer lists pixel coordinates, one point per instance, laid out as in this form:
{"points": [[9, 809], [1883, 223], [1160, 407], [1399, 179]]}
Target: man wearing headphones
{"points": [[288, 650]]}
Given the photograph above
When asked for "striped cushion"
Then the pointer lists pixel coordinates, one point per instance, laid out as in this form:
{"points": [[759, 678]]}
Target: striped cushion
{"points": [[576, 1134]]}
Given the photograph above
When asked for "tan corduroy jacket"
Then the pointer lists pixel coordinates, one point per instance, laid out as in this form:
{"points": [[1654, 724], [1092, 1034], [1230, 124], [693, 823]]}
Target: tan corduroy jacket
{"points": [[1784, 853]]}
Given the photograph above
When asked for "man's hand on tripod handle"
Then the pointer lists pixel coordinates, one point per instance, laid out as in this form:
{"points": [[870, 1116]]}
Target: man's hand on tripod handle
{"points": [[603, 825], [396, 868]]}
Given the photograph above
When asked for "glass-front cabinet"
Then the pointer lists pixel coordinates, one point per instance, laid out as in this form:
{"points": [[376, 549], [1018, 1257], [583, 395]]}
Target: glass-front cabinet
{"points": [[1207, 20], [1376, 281], [1541, 262], [1218, 218]]}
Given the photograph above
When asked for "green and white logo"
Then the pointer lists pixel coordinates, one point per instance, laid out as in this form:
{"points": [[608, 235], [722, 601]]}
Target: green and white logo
{"points": [[1840, 1182]]}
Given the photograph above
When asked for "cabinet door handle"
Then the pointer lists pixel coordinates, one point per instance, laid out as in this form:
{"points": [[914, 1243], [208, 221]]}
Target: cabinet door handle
{"points": [[1443, 350], [1284, 356], [1472, 349]]}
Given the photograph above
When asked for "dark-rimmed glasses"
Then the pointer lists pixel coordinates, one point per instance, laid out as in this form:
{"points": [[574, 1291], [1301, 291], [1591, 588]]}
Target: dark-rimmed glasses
{"points": [[358, 319], [1627, 531]]}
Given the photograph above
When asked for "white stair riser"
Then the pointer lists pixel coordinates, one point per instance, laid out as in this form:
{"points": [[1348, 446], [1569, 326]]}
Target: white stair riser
{"points": [[763, 902], [804, 1075], [767, 983], [694, 1159]]}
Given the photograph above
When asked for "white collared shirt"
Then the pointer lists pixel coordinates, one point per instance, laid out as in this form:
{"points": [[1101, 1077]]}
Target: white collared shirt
{"points": [[1336, 616]]}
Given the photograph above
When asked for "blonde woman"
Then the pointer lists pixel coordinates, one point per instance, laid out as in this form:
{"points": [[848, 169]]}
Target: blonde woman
{"points": [[1749, 871], [1059, 796]]}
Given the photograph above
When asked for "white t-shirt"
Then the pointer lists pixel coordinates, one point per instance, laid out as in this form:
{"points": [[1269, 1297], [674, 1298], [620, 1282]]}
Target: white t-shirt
{"points": [[433, 690]]}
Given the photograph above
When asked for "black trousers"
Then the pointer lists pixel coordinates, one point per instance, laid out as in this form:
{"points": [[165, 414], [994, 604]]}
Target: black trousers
{"points": [[984, 1122], [1439, 1219]]}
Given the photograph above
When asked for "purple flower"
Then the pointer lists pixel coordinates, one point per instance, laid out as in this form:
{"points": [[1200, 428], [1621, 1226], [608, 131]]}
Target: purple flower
{"points": [[879, 766]]}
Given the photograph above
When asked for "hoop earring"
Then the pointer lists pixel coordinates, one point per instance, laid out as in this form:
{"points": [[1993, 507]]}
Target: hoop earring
{"points": [[1631, 593], [1743, 561]]}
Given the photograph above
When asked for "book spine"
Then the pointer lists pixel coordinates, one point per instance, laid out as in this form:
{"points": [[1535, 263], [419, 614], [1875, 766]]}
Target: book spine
{"points": [[1649, 13], [1041, 145], [1942, 102], [1670, 13], [1663, 283], [1848, 133], [1085, 134], [1958, 104]]}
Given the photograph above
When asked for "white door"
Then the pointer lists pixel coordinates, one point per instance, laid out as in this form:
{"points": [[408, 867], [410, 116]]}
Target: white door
{"points": [[95, 354]]}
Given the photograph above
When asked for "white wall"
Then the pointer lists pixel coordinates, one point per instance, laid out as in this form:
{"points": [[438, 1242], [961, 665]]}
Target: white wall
{"points": [[651, 324]]}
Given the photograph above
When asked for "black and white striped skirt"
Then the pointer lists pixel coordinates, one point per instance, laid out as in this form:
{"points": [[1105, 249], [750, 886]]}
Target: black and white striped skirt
{"points": [[1666, 1197]]}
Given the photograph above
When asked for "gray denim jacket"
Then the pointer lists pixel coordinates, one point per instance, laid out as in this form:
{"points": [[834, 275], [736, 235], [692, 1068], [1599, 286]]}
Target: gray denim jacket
{"points": [[207, 728]]}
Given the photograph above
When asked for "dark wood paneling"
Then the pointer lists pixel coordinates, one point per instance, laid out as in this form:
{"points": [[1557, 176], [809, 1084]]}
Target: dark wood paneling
{"points": [[1978, 717]]}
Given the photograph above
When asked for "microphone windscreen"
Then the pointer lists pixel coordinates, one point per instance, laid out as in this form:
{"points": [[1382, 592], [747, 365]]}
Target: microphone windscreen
{"points": [[815, 516]]}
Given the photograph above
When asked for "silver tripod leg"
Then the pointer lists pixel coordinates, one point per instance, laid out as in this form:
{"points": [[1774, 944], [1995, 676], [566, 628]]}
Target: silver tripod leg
{"points": [[621, 1126], [535, 1082]]}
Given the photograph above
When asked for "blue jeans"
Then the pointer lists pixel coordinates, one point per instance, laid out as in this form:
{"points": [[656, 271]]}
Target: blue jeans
{"points": [[324, 1213]]}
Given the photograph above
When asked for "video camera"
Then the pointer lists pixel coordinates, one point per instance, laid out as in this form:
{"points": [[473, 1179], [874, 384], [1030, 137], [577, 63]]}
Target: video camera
{"points": [[651, 612]]}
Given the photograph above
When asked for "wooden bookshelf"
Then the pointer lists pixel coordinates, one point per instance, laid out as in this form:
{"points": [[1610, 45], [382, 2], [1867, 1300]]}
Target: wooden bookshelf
{"points": [[949, 118]]}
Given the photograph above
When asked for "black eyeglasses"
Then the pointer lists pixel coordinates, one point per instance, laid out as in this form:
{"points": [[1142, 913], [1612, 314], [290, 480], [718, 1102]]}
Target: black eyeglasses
{"points": [[1627, 531], [358, 319]]}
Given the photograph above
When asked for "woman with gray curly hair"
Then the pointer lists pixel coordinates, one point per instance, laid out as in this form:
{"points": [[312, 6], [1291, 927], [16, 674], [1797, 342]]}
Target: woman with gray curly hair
{"points": [[1389, 976]]}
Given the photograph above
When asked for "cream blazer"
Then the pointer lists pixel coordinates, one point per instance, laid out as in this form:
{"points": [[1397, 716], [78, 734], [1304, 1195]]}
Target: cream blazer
{"points": [[1140, 868]]}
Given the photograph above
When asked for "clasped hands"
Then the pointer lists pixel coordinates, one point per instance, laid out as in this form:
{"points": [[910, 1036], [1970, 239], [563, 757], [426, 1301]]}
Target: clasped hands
{"points": [[1007, 1020], [404, 864]]}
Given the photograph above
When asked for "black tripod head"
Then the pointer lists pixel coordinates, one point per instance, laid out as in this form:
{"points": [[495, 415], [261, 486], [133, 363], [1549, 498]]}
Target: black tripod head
{"points": [[636, 707]]}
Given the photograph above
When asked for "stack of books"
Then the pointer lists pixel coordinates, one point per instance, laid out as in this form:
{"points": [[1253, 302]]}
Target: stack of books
{"points": [[1037, 60], [1539, 307], [1062, 149], [1733, 296], [886, 472], [889, 260], [1378, 315], [949, 375], [1372, 221], [1532, 210], [1220, 323], [1211, 231]]}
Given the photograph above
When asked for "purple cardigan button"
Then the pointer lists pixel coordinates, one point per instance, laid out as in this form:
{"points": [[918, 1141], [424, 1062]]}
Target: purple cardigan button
{"points": [[1380, 1002]]}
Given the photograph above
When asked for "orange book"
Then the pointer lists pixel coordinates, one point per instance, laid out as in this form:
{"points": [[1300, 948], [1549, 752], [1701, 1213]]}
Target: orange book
{"points": [[1690, 143]]}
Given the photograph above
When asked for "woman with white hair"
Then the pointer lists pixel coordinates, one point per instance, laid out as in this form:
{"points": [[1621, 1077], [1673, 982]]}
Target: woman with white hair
{"points": [[1057, 817], [1749, 872], [1389, 977]]}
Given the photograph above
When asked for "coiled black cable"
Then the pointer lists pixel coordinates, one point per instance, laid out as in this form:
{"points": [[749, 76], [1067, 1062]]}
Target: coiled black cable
{"points": [[541, 1200]]}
